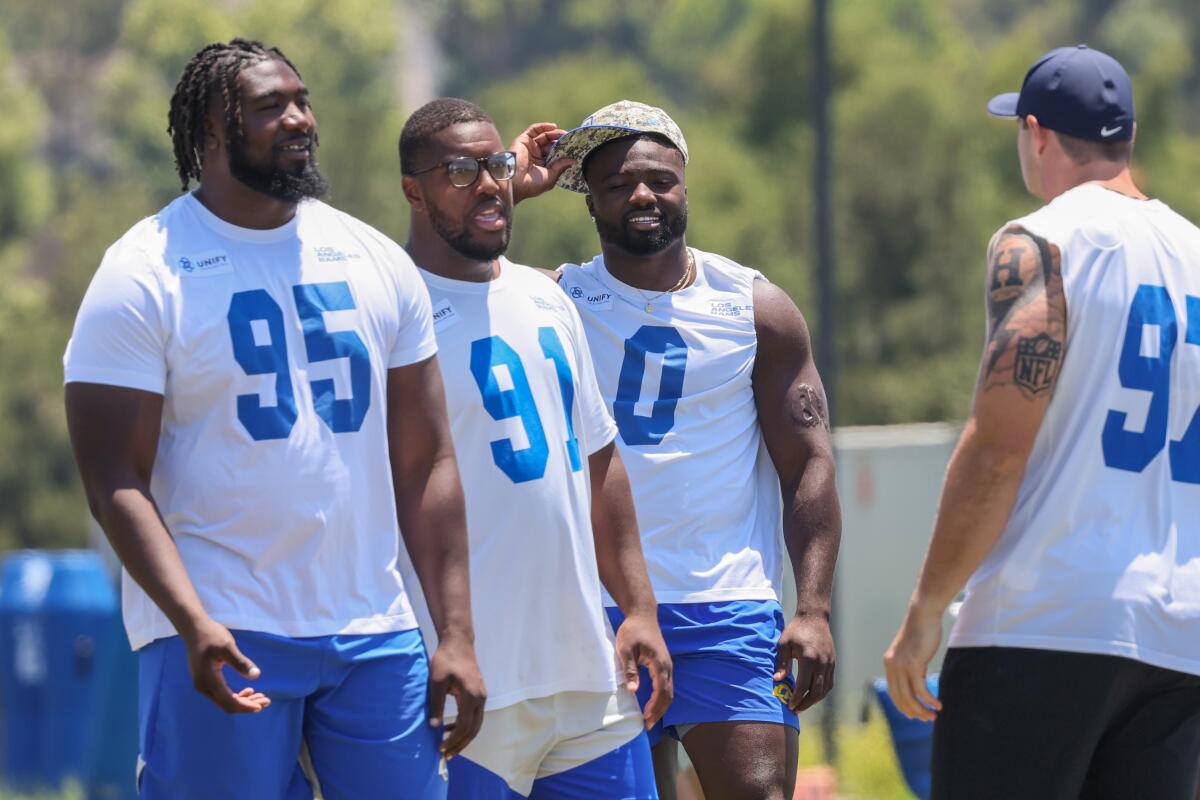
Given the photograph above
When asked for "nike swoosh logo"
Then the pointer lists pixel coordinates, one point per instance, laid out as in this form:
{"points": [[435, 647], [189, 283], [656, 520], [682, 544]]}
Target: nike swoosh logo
{"points": [[1105, 132]]}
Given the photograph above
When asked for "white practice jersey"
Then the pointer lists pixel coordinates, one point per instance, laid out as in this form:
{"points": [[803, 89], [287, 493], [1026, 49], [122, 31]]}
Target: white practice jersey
{"points": [[525, 413], [678, 381], [1102, 551], [271, 349]]}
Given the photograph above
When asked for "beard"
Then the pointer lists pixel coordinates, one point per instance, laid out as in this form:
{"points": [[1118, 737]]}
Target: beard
{"points": [[640, 243], [273, 179], [459, 238]]}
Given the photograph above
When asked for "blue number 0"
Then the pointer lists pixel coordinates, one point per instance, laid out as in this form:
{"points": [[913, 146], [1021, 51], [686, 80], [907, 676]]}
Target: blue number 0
{"points": [[1134, 450], [634, 428], [528, 463], [312, 300]]}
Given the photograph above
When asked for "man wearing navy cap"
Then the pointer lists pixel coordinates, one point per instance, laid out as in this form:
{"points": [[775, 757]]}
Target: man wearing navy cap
{"points": [[1072, 502]]}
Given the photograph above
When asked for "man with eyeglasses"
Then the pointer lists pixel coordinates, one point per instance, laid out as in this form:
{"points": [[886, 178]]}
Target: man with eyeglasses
{"points": [[549, 510], [708, 370]]}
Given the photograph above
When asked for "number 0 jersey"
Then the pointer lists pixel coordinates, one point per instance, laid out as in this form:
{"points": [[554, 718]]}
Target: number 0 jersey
{"points": [[271, 350], [526, 414], [678, 380], [1102, 551]]}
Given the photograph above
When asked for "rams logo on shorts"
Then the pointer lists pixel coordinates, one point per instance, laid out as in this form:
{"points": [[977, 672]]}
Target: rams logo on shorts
{"points": [[783, 692]]}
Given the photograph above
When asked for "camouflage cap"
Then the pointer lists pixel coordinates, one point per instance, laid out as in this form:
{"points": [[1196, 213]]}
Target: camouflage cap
{"points": [[622, 118]]}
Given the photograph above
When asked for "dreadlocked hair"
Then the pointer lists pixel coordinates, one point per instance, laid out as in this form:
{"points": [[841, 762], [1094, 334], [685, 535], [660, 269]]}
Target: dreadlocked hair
{"points": [[214, 69]]}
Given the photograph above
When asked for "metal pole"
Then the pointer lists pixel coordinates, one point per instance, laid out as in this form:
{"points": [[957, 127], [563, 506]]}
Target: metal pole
{"points": [[826, 332]]}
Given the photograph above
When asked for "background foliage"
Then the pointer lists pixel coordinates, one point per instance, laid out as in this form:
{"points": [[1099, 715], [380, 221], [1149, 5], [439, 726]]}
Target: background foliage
{"points": [[922, 175]]}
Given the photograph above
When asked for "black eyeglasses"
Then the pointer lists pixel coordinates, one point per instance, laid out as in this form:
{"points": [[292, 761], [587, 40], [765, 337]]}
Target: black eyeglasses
{"points": [[464, 170]]}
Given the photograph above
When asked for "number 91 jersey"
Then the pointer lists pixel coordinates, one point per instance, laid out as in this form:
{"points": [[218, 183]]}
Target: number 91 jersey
{"points": [[525, 413], [271, 350], [676, 371], [1101, 553]]}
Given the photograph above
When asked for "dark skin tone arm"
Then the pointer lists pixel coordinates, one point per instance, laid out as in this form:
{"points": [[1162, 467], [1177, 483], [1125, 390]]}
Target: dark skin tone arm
{"points": [[623, 573], [1026, 309], [430, 507], [114, 432], [795, 427]]}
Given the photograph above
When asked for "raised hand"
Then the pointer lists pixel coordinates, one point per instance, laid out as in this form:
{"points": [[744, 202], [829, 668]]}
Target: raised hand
{"points": [[532, 147]]}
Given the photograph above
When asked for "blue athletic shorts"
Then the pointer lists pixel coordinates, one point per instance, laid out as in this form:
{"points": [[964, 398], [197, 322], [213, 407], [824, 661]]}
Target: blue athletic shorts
{"points": [[626, 773], [356, 706], [724, 657]]}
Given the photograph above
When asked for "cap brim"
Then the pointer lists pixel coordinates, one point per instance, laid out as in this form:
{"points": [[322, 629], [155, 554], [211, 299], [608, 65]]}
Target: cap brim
{"points": [[1004, 105], [576, 145]]}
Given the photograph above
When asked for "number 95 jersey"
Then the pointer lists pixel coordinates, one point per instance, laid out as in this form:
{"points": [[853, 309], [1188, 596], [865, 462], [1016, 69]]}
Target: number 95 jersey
{"points": [[1101, 553], [271, 350], [676, 371]]}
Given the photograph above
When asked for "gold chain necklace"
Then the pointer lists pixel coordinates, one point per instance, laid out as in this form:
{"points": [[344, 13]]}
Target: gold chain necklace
{"points": [[682, 282]]}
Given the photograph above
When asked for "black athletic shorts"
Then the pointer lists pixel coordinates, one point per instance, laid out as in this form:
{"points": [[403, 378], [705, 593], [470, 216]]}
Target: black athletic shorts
{"points": [[1021, 724]]}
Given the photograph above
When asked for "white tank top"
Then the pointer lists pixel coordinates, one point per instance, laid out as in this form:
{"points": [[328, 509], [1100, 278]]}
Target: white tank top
{"points": [[1102, 551], [677, 380]]}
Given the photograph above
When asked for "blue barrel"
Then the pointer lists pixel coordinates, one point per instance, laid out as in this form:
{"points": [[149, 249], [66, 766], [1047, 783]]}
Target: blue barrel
{"points": [[56, 611], [911, 738]]}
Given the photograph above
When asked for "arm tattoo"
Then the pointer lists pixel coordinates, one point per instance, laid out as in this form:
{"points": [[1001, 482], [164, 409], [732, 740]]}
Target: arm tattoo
{"points": [[808, 407], [1026, 311]]}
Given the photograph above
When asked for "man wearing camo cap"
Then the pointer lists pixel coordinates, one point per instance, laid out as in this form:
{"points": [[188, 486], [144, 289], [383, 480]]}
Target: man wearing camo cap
{"points": [[707, 368]]}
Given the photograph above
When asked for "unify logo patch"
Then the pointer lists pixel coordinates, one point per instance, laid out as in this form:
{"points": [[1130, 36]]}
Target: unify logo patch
{"points": [[444, 315], [210, 262], [596, 301]]}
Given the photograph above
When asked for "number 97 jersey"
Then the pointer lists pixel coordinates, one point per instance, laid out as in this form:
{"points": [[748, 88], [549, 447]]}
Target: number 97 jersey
{"points": [[1101, 553], [271, 350]]}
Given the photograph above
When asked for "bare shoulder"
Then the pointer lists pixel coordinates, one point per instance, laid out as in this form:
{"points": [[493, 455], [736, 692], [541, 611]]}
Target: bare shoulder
{"points": [[1026, 310], [777, 320]]}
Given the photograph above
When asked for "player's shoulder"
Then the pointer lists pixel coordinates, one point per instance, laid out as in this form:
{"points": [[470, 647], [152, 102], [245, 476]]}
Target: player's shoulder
{"points": [[541, 285], [146, 246], [723, 273], [538, 277]]}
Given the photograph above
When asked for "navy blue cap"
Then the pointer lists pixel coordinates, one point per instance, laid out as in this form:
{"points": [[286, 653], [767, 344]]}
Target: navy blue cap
{"points": [[1077, 91]]}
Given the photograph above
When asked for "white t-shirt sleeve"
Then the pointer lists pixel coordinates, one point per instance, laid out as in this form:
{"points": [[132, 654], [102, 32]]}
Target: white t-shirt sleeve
{"points": [[120, 336], [598, 426], [415, 339]]}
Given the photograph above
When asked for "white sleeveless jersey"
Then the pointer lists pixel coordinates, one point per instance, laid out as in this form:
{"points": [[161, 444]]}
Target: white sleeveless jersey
{"points": [[678, 381], [271, 350], [1102, 551], [525, 413]]}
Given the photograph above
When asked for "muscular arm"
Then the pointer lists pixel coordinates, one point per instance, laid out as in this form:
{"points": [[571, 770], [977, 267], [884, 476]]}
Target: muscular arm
{"points": [[795, 427], [623, 573], [114, 432], [1026, 341], [432, 515]]}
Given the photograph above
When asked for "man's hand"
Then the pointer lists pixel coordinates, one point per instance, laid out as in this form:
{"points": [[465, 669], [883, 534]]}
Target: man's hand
{"points": [[639, 641], [807, 641], [209, 646], [907, 660], [533, 177], [453, 670]]}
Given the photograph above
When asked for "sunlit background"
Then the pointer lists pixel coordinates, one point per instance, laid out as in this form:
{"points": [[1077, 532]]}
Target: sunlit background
{"points": [[920, 178]]}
